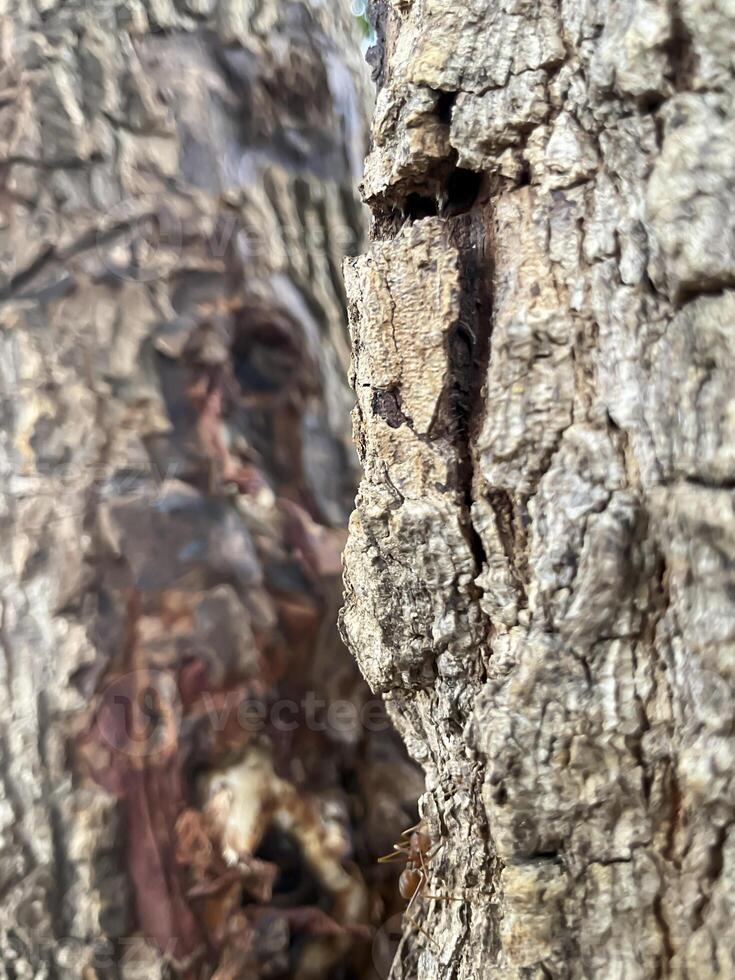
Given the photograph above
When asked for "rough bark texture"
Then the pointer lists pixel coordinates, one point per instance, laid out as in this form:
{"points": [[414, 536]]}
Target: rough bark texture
{"points": [[176, 200], [539, 573]]}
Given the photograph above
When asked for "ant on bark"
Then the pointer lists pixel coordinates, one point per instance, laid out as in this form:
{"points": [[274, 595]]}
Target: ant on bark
{"points": [[417, 849]]}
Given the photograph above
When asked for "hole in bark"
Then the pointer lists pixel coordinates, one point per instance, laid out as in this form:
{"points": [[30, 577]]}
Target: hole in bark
{"points": [[418, 207], [461, 349], [444, 105], [524, 178], [387, 405], [680, 49], [462, 190], [266, 352], [296, 884], [544, 856], [651, 102]]}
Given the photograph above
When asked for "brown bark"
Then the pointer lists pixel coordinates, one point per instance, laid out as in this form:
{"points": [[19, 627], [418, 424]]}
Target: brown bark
{"points": [[176, 186], [539, 574]]}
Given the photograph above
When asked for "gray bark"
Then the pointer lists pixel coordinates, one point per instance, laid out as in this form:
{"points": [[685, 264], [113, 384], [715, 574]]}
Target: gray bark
{"points": [[539, 573], [176, 200]]}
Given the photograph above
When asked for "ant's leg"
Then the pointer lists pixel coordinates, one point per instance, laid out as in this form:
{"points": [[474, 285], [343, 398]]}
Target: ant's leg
{"points": [[425, 858], [425, 873], [410, 830], [399, 851], [445, 898], [420, 929]]}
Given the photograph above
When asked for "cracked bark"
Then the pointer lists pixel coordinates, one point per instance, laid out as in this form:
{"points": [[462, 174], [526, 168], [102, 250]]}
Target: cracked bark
{"points": [[176, 200], [539, 571]]}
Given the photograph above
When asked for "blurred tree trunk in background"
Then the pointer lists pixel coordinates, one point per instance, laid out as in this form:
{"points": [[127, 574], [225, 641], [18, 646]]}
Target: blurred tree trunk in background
{"points": [[176, 184], [540, 568]]}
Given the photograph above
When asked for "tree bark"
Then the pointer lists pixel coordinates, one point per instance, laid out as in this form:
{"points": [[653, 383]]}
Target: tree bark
{"points": [[539, 572], [177, 197]]}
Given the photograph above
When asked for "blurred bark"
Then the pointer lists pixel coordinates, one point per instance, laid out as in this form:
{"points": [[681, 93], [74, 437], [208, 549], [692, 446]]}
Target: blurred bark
{"points": [[176, 200], [539, 571]]}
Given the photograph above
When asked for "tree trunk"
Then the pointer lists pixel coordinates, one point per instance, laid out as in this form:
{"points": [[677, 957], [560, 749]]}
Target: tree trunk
{"points": [[539, 573], [186, 786]]}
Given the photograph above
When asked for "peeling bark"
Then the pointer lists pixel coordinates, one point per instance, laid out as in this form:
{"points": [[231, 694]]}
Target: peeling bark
{"points": [[539, 568]]}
